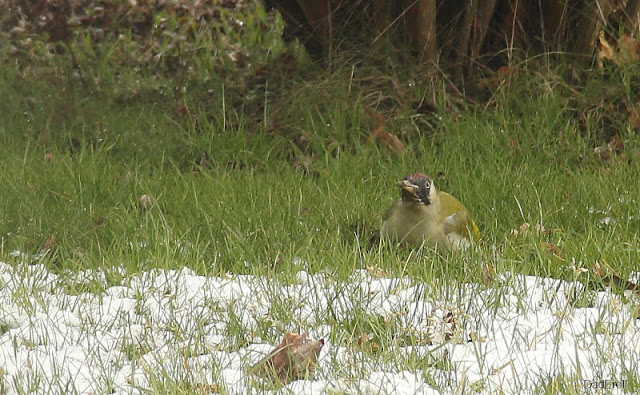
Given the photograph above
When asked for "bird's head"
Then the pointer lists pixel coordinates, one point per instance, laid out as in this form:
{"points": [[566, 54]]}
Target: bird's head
{"points": [[418, 188]]}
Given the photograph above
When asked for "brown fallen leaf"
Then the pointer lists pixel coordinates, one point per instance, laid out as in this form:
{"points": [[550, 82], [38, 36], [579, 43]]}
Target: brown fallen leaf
{"points": [[625, 51], [552, 248], [495, 81], [377, 116], [614, 279], [295, 358], [380, 134], [389, 140], [450, 324], [605, 51], [443, 328]]}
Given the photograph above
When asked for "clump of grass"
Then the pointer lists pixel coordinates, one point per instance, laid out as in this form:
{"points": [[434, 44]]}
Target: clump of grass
{"points": [[248, 173]]}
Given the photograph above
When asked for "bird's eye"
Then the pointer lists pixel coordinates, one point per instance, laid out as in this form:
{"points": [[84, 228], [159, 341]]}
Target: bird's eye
{"points": [[427, 185]]}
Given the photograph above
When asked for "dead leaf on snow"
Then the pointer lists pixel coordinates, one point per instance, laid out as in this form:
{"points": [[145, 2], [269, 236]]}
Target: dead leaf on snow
{"points": [[295, 358], [443, 328], [450, 323]]}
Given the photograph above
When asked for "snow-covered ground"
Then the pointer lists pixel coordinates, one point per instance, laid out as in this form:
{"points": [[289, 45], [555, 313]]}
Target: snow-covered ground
{"points": [[175, 326]]}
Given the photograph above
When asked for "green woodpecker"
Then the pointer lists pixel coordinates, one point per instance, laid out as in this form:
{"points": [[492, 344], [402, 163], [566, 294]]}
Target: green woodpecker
{"points": [[425, 215]]}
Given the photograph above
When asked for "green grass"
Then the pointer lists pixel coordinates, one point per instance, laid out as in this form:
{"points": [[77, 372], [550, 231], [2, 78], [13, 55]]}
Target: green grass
{"points": [[75, 166]]}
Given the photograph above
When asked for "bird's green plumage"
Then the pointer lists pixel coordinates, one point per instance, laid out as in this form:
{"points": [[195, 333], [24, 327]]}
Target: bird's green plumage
{"points": [[463, 223], [439, 220]]}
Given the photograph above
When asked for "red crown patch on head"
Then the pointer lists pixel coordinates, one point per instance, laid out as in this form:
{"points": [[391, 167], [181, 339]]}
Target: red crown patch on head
{"points": [[415, 177]]}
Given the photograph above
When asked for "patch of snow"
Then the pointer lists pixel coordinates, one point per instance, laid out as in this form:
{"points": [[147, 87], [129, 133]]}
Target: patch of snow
{"points": [[176, 326]]}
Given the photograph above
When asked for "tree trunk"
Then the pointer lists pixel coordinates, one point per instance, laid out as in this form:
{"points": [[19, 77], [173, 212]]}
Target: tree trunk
{"points": [[425, 30], [461, 43], [483, 18], [554, 18]]}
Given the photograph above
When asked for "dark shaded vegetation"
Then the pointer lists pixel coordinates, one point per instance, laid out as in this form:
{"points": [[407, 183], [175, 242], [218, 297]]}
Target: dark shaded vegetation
{"points": [[192, 58], [461, 35]]}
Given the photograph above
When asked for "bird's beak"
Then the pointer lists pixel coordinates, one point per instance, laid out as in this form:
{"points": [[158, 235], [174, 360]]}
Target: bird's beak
{"points": [[407, 186]]}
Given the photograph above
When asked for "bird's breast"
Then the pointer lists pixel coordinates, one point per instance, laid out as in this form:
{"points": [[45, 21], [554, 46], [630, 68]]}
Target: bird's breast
{"points": [[410, 223]]}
